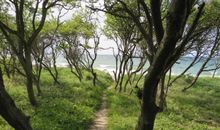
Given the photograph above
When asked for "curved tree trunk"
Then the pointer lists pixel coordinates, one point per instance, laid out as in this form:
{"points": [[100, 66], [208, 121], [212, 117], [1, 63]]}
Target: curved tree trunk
{"points": [[177, 16], [10, 112]]}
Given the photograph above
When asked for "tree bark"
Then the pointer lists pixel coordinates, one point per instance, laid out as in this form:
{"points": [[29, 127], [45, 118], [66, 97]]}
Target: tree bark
{"points": [[39, 92], [147, 117], [29, 78], [213, 75], [162, 94], [94, 77], [10, 112]]}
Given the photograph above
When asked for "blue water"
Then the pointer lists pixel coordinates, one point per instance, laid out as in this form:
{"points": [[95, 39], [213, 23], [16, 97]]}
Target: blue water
{"points": [[107, 62]]}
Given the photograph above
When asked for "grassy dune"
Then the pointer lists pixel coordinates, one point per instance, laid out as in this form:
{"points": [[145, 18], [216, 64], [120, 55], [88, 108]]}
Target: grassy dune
{"points": [[70, 106], [196, 109]]}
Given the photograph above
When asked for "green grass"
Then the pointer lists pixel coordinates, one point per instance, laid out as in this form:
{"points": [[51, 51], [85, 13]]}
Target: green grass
{"points": [[196, 109], [69, 106], [122, 111], [72, 105]]}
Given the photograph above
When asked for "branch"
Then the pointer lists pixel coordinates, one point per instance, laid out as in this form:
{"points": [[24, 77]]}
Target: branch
{"points": [[8, 38], [6, 28], [149, 18], [42, 21], [52, 4], [136, 20], [214, 47], [34, 15], [192, 28], [157, 21], [109, 12]]}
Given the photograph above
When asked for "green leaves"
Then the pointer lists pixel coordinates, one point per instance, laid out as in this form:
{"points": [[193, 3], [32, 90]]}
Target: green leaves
{"points": [[49, 26], [211, 15], [117, 26], [77, 26]]}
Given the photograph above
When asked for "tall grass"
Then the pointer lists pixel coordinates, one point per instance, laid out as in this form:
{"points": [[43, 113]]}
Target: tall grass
{"points": [[69, 106], [196, 109]]}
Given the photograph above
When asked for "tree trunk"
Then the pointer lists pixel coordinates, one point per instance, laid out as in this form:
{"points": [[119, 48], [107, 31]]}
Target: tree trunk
{"points": [[147, 117], [39, 92], [94, 77], [29, 78], [10, 112], [162, 95], [213, 75], [177, 15], [31, 91], [37, 77], [156, 71], [149, 109]]}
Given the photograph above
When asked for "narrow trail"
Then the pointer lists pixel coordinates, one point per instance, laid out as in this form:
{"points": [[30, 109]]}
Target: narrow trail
{"points": [[100, 121]]}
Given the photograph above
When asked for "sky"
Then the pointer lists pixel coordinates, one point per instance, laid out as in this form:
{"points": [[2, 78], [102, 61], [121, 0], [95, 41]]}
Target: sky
{"points": [[105, 43]]}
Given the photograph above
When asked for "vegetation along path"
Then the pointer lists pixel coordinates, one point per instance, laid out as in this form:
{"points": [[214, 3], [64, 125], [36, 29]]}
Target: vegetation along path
{"points": [[100, 121]]}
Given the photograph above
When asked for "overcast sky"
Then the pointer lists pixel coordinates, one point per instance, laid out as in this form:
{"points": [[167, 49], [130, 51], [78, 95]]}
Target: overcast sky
{"points": [[104, 41]]}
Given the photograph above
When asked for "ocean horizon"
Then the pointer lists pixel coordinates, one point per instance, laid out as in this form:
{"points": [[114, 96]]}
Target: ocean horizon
{"points": [[107, 63]]}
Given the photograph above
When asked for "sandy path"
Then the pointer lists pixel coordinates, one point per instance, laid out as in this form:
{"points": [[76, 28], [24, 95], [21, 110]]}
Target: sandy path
{"points": [[100, 121]]}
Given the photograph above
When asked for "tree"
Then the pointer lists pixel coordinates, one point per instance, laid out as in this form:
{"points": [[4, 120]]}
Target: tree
{"points": [[50, 53], [50, 59], [129, 47], [74, 35], [73, 54], [38, 54], [90, 55], [10, 112], [203, 49], [166, 30], [167, 40], [29, 18], [45, 51]]}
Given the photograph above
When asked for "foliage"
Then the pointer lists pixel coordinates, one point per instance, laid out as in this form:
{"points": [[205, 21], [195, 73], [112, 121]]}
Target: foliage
{"points": [[117, 27], [77, 26], [212, 20]]}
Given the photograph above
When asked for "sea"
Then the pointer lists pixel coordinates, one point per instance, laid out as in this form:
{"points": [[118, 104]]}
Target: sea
{"points": [[107, 63]]}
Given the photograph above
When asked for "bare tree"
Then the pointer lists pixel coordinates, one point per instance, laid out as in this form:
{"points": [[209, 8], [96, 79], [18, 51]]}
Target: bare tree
{"points": [[127, 39], [90, 54], [73, 54], [51, 54]]}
